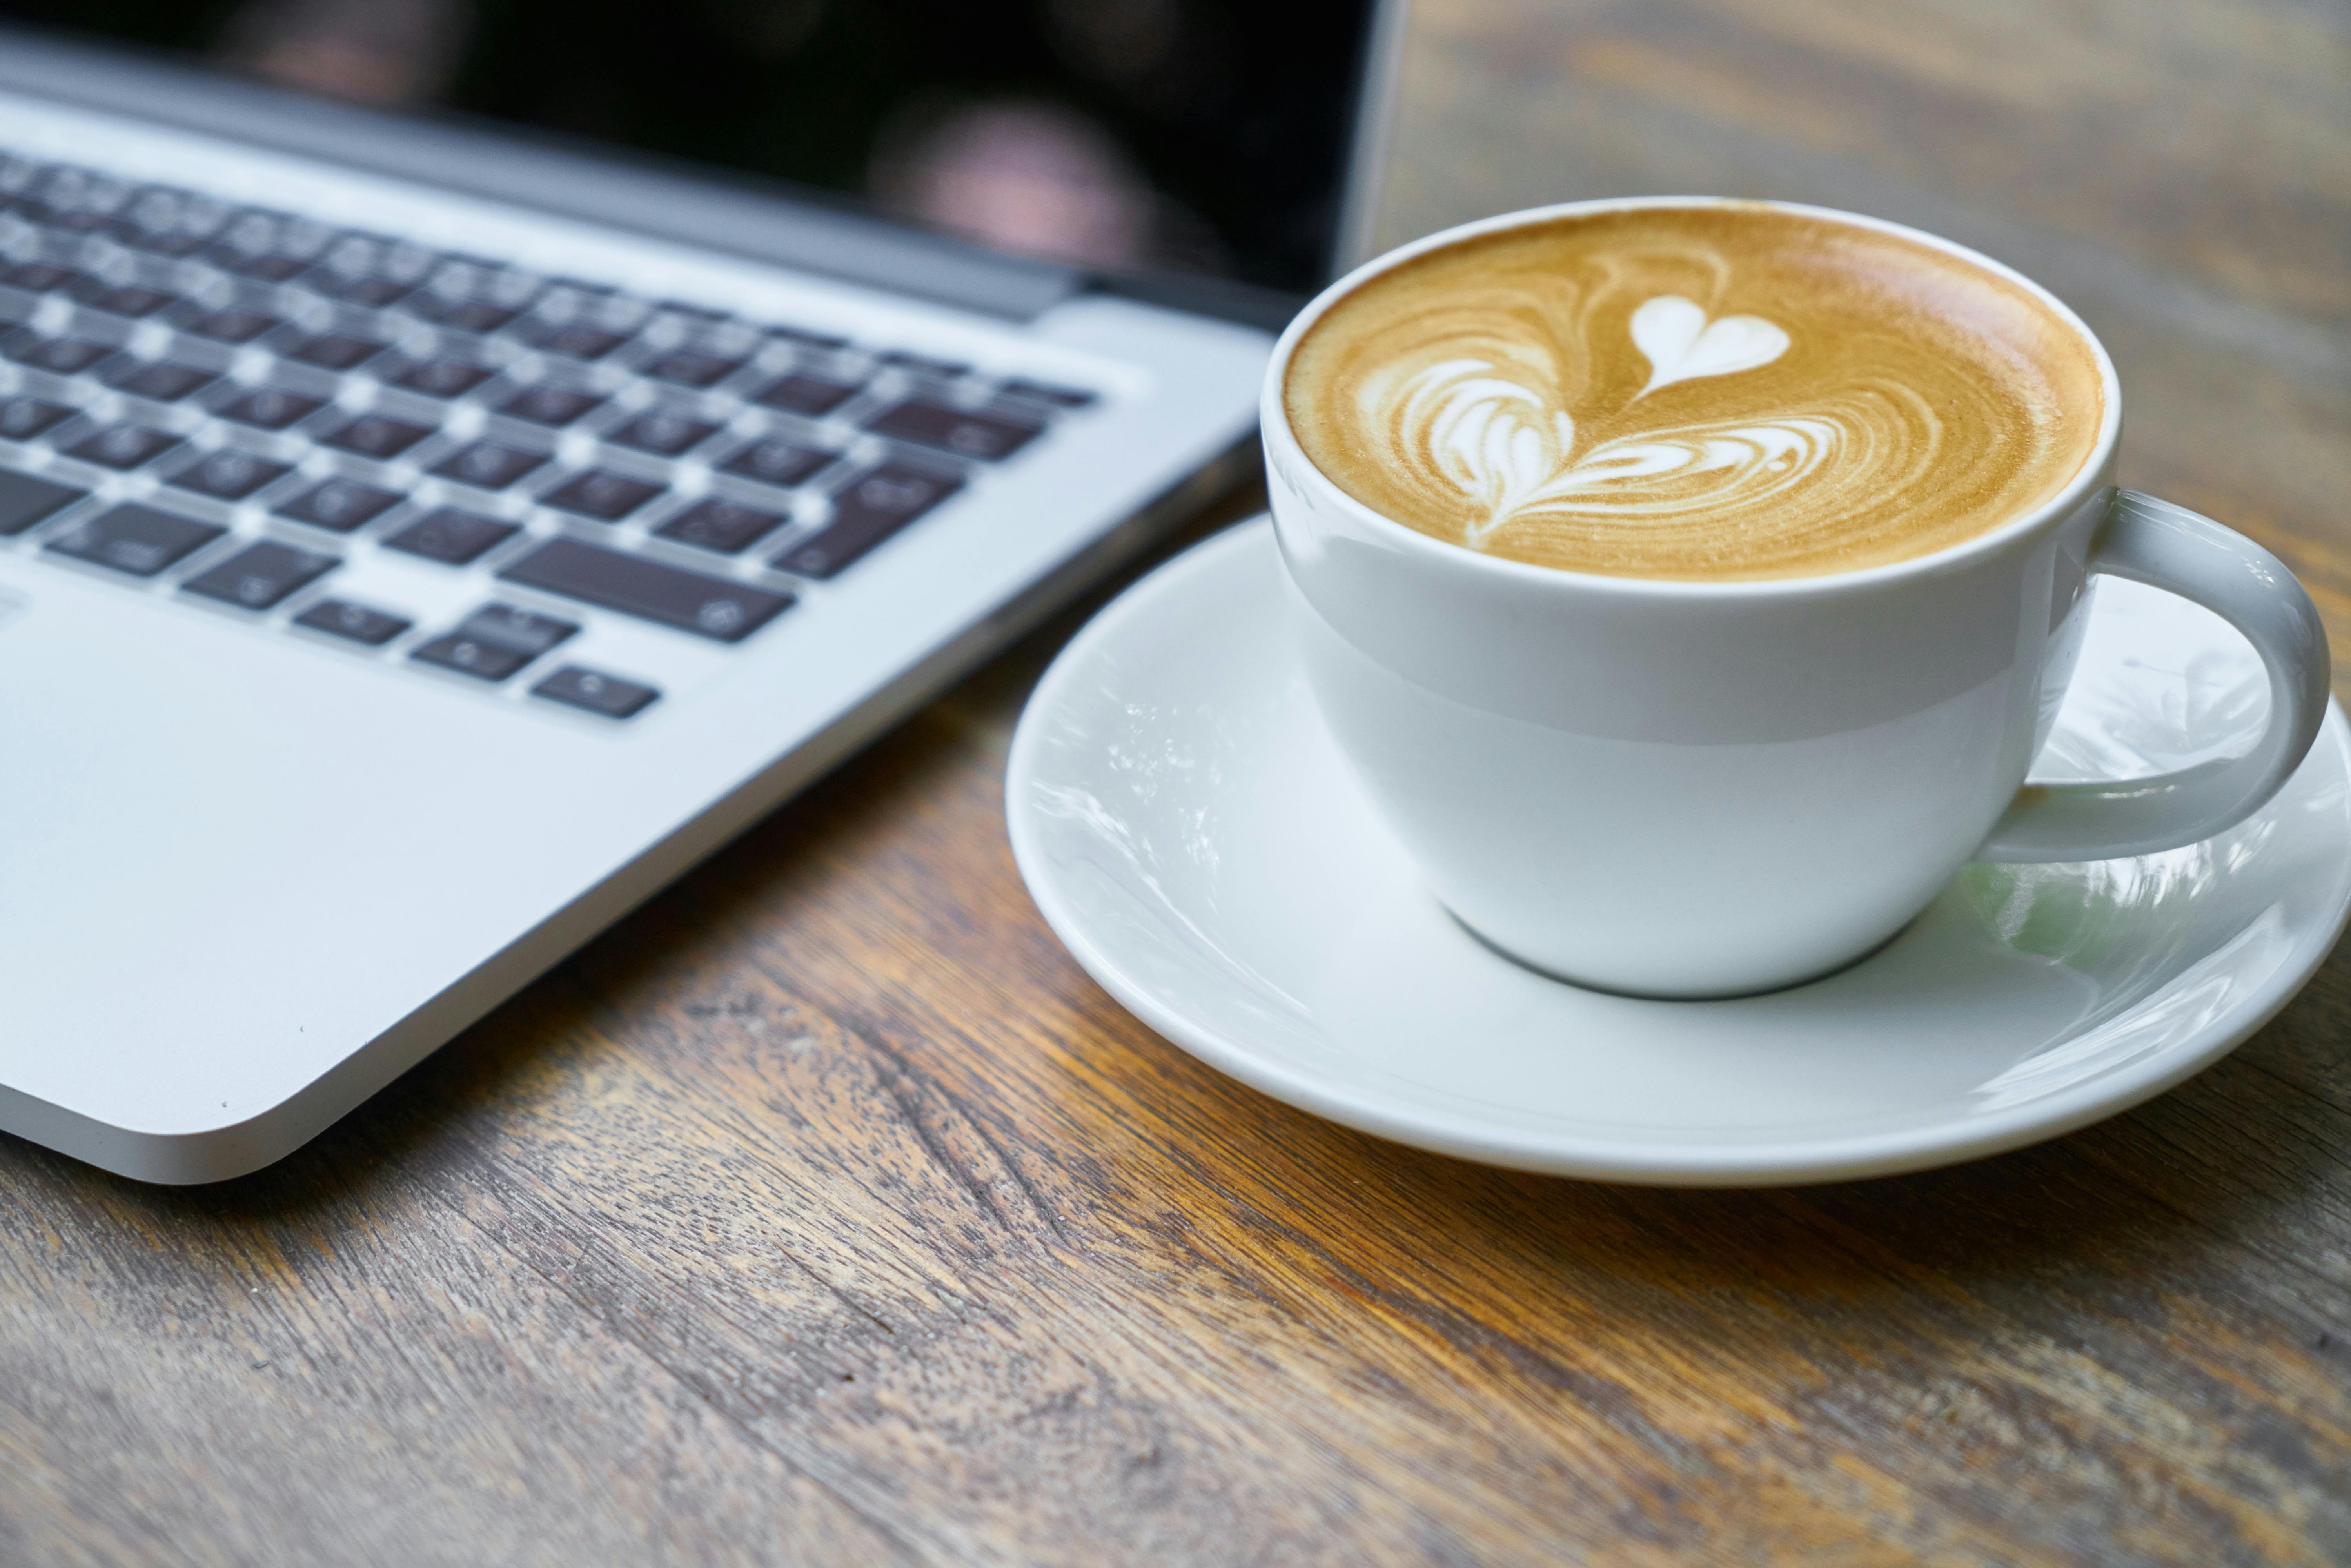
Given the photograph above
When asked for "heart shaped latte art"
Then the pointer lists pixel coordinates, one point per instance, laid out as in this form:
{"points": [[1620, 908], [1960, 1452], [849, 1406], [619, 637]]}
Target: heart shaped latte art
{"points": [[1682, 345]]}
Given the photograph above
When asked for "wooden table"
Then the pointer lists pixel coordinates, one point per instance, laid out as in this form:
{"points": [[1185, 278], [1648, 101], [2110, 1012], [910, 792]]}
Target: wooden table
{"points": [[825, 1211]]}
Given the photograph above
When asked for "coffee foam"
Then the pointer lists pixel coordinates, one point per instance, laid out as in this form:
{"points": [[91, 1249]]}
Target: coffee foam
{"points": [[1717, 392]]}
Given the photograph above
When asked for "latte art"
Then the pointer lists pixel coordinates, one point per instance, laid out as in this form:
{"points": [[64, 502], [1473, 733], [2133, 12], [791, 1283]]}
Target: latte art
{"points": [[1695, 392]]}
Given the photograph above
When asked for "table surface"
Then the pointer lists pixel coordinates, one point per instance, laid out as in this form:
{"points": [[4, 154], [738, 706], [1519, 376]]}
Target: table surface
{"points": [[825, 1211]]}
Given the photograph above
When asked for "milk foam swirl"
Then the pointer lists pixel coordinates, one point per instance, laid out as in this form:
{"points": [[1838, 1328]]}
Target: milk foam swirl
{"points": [[1566, 399]]}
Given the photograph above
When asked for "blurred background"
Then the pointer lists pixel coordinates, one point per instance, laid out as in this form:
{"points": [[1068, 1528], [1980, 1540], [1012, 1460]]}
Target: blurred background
{"points": [[1131, 134]]}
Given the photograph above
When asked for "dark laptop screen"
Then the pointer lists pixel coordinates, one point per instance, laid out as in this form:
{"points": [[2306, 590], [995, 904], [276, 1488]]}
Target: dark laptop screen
{"points": [[1187, 135]]}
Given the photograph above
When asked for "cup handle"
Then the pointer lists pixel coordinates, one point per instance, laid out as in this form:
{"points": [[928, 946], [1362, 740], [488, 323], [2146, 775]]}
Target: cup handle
{"points": [[2173, 549]]}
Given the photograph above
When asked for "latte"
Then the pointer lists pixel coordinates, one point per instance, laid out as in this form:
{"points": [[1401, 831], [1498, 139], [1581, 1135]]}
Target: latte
{"points": [[1703, 393]]}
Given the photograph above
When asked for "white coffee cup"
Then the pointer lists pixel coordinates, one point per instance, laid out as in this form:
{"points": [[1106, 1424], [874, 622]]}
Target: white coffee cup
{"points": [[1703, 789]]}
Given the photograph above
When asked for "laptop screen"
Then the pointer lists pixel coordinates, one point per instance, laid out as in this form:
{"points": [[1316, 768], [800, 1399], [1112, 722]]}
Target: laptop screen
{"points": [[1195, 136]]}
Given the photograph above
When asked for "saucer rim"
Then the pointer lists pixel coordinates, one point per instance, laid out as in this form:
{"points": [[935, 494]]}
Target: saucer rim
{"points": [[1786, 1161]]}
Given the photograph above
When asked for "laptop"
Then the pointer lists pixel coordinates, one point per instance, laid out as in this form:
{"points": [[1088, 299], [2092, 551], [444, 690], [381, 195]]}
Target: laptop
{"points": [[426, 528]]}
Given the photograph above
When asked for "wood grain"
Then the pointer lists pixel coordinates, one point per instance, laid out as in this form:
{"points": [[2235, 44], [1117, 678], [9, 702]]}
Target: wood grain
{"points": [[824, 1211]]}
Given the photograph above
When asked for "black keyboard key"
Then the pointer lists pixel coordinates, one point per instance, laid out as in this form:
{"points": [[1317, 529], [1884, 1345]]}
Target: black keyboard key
{"points": [[270, 408], [1047, 391], [23, 418], [967, 433], [712, 607], [523, 631], [139, 540], [124, 446], [335, 351], [924, 365], [666, 433], [476, 316], [270, 246], [266, 266], [61, 356], [608, 696], [123, 299], [491, 662], [377, 436], [374, 292], [229, 475], [169, 222], [356, 623], [259, 576], [549, 405], [232, 326], [577, 341], [26, 500], [163, 382], [486, 466], [690, 367], [442, 377], [807, 338], [339, 505], [800, 393], [38, 276], [779, 462], [452, 537], [867, 510], [600, 493], [717, 524]]}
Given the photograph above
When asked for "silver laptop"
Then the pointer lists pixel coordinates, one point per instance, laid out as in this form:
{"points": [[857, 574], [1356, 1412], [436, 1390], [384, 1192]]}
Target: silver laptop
{"points": [[421, 538]]}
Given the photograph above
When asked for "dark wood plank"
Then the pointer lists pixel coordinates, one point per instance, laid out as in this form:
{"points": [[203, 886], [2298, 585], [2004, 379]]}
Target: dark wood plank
{"points": [[825, 1211]]}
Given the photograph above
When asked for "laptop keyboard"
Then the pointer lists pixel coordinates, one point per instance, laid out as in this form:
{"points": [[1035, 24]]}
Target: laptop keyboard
{"points": [[276, 388]]}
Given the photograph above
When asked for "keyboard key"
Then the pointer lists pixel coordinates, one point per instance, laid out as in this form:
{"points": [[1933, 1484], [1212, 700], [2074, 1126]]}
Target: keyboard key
{"points": [[38, 276], [23, 418], [61, 356], [259, 576], [476, 316], [814, 396], [124, 446], [335, 351], [807, 338], [271, 246], [452, 537], [666, 433], [472, 657], [600, 493], [709, 606], [717, 524], [123, 299], [229, 475], [26, 500], [374, 292], [609, 695], [341, 618], [340, 504], [232, 326], [523, 631], [139, 540], [689, 367], [1046, 392], [967, 433], [486, 466], [549, 405], [377, 436], [575, 340], [270, 408], [779, 462], [924, 365], [867, 510], [163, 382], [442, 377]]}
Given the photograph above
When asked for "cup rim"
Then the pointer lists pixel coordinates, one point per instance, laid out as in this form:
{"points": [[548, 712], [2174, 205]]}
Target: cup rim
{"points": [[1273, 419]]}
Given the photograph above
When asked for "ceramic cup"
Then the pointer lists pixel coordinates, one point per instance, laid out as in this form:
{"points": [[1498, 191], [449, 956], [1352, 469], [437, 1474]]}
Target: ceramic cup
{"points": [[1705, 789]]}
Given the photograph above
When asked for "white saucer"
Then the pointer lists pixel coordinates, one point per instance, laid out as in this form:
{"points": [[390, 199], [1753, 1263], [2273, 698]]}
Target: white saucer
{"points": [[1191, 833]]}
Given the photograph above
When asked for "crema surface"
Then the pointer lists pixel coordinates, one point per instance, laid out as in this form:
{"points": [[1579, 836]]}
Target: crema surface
{"points": [[1695, 393]]}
